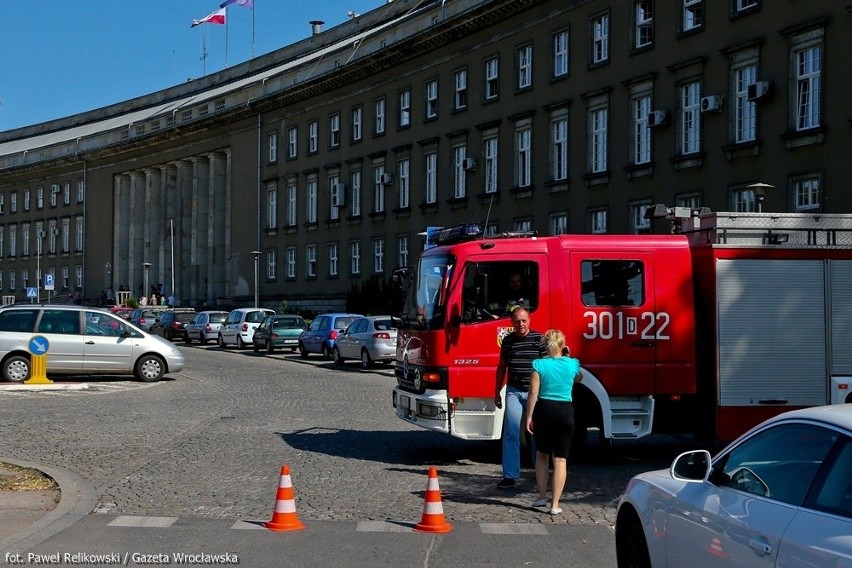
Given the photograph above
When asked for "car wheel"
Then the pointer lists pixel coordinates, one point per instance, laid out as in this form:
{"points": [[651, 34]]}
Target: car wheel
{"points": [[221, 341], [202, 338], [302, 351], [366, 361], [269, 348], [335, 353], [149, 368], [255, 347], [168, 335], [187, 339], [631, 550], [16, 369], [326, 352], [240, 343]]}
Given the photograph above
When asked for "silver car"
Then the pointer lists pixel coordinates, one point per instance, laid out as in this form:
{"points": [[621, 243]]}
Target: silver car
{"points": [[369, 339], [239, 326], [205, 326], [76, 340], [780, 495]]}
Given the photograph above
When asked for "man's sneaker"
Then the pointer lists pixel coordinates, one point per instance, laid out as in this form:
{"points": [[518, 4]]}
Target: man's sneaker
{"points": [[506, 483]]}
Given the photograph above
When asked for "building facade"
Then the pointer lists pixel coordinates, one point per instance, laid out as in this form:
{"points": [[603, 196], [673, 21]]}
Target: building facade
{"points": [[320, 164]]}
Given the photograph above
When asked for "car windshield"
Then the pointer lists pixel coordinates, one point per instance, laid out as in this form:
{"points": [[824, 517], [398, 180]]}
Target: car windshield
{"points": [[290, 323], [383, 324], [424, 306], [343, 323], [255, 317], [188, 317], [218, 318]]}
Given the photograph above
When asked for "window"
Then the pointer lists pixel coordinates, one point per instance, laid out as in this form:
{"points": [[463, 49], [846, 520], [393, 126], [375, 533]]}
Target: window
{"points": [[639, 225], [13, 240], [560, 54], [598, 133], [272, 143], [559, 147], [431, 177], [355, 258], [743, 5], [600, 39], [66, 235], [271, 264], [66, 193], [272, 206], [313, 137], [52, 233], [808, 87], [597, 221], [559, 224], [292, 142], [522, 226], [641, 142], [334, 131], [612, 282], [290, 253], [524, 60], [460, 89], [379, 117], [13, 201], [12, 281], [357, 123], [79, 232], [25, 239], [523, 154], [333, 264], [643, 14], [756, 466], [311, 199], [38, 243], [335, 196], [355, 183], [26, 203], [431, 99], [807, 191], [292, 195], [490, 170], [744, 201], [745, 111], [25, 277], [459, 173], [378, 256], [690, 123], [693, 15], [493, 289], [311, 261], [78, 276], [491, 90], [689, 200], [2, 203], [65, 277], [81, 191], [402, 251], [54, 194], [404, 183], [405, 108], [379, 188]]}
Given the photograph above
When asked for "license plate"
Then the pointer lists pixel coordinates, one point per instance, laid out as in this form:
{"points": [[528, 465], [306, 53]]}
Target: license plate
{"points": [[289, 341]]}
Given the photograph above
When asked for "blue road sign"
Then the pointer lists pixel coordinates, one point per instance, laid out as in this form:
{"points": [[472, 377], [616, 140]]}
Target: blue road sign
{"points": [[32, 292], [39, 345], [49, 281]]}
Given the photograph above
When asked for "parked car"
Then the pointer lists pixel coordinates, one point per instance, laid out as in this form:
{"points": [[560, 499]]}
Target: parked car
{"points": [[81, 341], [172, 324], [278, 332], [324, 329], [239, 326], [122, 311], [145, 317], [204, 326], [779, 495], [370, 339]]}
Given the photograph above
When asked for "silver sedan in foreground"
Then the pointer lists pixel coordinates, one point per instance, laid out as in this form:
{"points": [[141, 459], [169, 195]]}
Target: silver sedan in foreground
{"points": [[780, 495]]}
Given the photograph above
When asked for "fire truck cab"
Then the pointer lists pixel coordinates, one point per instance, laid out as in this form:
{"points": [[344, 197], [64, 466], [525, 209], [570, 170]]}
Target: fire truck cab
{"points": [[689, 332]]}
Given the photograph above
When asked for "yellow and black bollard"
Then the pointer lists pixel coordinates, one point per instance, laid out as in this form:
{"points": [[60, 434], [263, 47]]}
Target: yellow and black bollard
{"points": [[38, 362]]}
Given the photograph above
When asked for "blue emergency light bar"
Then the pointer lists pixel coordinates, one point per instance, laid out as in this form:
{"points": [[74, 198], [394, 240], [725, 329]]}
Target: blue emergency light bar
{"points": [[457, 234]]}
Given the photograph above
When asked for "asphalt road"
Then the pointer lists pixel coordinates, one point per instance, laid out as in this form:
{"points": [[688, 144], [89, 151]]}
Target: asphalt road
{"points": [[206, 447]]}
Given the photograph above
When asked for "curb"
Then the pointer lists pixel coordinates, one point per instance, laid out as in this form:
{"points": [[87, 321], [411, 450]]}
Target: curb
{"points": [[77, 499]]}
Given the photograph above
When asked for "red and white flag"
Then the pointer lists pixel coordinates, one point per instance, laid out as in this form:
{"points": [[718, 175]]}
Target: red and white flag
{"points": [[217, 17]]}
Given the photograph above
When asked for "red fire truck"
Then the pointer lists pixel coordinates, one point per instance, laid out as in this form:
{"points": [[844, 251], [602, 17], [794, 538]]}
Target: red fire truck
{"points": [[738, 317]]}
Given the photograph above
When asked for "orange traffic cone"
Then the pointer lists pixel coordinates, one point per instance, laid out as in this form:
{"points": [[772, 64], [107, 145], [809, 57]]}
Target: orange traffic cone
{"points": [[284, 518], [433, 512]]}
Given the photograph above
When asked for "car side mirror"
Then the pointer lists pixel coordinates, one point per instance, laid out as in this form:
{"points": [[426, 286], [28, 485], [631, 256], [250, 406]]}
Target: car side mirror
{"points": [[691, 466]]}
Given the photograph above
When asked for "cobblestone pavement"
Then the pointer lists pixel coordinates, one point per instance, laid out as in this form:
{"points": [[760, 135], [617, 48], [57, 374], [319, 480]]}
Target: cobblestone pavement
{"points": [[211, 440]]}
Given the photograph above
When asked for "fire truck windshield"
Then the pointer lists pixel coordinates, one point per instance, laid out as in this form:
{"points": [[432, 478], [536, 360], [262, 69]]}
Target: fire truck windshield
{"points": [[425, 304]]}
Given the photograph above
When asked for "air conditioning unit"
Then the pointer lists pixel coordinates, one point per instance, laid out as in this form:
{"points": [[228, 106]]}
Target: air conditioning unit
{"points": [[338, 195], [42, 234], [713, 103], [657, 118], [386, 179], [54, 231], [757, 91], [469, 164]]}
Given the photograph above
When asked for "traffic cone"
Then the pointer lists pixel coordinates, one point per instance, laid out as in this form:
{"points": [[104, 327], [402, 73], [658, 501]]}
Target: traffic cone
{"points": [[284, 518], [433, 512], [716, 549]]}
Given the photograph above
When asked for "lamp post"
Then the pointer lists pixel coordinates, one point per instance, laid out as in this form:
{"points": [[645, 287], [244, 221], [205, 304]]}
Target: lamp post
{"points": [[256, 254], [147, 266], [40, 234], [759, 191]]}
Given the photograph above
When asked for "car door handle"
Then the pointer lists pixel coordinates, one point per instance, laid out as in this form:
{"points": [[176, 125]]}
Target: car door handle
{"points": [[760, 546], [90, 343]]}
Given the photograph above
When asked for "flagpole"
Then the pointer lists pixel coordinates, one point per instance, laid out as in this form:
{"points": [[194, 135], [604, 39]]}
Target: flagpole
{"points": [[226, 38], [252, 31]]}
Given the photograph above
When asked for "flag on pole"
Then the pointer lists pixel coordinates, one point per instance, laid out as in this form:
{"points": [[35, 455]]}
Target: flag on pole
{"points": [[245, 3], [217, 17]]}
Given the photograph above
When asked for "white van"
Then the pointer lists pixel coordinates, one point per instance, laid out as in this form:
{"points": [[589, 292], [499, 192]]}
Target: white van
{"points": [[81, 341]]}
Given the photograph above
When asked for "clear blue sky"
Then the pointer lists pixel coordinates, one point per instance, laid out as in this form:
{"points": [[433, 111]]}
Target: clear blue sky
{"points": [[63, 57]]}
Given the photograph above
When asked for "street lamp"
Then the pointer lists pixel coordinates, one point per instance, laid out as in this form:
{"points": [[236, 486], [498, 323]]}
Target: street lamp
{"points": [[147, 266], [256, 254], [759, 191], [40, 234]]}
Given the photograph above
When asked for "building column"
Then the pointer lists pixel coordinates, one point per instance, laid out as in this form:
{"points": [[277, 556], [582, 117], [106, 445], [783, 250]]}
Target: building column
{"points": [[153, 236], [183, 226], [121, 235], [216, 267], [167, 199], [136, 234]]}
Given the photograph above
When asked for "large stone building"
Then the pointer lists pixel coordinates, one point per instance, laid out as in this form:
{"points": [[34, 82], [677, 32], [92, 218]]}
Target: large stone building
{"points": [[321, 163]]}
